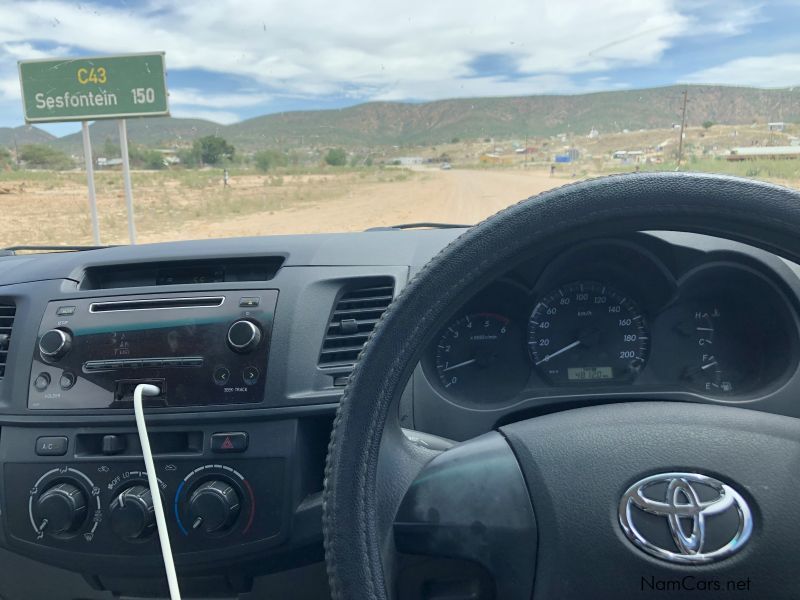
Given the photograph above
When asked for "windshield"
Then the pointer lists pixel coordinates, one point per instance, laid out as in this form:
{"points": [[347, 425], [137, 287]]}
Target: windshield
{"points": [[311, 116]]}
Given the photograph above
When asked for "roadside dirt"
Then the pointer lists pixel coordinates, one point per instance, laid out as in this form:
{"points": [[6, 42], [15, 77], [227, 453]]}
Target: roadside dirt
{"points": [[52, 208], [457, 196]]}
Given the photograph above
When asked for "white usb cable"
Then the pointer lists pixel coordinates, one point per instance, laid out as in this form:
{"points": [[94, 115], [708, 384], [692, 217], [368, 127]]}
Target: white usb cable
{"points": [[144, 389]]}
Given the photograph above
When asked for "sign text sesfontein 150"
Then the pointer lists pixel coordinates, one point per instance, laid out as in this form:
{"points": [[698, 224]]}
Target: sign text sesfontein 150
{"points": [[80, 89]]}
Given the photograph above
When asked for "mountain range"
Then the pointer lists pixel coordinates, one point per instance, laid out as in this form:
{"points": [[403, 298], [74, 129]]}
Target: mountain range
{"points": [[396, 123]]}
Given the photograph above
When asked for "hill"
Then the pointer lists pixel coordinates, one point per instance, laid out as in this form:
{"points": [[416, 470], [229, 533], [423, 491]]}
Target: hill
{"points": [[395, 123], [154, 133], [384, 123], [25, 134]]}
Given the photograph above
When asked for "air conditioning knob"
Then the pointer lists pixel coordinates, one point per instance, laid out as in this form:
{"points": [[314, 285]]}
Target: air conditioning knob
{"points": [[55, 343], [213, 507], [244, 336], [133, 514], [61, 509]]}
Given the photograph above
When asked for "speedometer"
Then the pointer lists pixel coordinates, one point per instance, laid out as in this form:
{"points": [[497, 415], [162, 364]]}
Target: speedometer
{"points": [[587, 332]]}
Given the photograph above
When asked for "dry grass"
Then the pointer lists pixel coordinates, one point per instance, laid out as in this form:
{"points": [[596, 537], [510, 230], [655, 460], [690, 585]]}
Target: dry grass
{"points": [[42, 207]]}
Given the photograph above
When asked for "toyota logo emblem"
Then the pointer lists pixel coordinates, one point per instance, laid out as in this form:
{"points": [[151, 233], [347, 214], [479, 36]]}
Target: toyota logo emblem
{"points": [[707, 520]]}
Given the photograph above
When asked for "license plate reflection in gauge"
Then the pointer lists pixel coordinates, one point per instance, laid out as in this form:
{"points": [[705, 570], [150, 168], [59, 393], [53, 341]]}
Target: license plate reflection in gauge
{"points": [[481, 356], [587, 332]]}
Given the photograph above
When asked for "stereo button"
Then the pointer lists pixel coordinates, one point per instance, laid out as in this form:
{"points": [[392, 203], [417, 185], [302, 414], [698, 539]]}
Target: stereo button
{"points": [[244, 336], [249, 301], [42, 381], [250, 375], [55, 343], [67, 380], [222, 376]]}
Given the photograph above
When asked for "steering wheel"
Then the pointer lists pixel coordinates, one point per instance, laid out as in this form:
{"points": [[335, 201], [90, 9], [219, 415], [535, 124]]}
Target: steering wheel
{"points": [[603, 502]]}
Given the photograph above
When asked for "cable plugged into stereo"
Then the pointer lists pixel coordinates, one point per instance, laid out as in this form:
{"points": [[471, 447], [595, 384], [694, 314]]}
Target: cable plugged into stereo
{"points": [[144, 389]]}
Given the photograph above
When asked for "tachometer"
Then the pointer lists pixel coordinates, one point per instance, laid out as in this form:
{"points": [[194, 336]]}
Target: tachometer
{"points": [[587, 332], [481, 356]]}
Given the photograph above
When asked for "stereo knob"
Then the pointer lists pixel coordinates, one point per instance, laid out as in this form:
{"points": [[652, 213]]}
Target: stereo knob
{"points": [[61, 509], [244, 336], [213, 507], [55, 343], [132, 513]]}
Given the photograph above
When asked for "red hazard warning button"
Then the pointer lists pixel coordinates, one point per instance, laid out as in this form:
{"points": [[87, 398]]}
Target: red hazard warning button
{"points": [[234, 441]]}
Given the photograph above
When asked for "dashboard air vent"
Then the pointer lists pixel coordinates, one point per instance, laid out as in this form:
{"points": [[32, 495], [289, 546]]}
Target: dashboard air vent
{"points": [[7, 312], [353, 318]]}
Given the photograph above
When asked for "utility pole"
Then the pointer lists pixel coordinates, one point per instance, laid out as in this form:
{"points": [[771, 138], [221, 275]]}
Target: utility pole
{"points": [[525, 162], [683, 126]]}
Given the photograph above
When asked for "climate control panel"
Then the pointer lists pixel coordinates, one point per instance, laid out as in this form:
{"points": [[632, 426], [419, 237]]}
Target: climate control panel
{"points": [[224, 493], [97, 509]]}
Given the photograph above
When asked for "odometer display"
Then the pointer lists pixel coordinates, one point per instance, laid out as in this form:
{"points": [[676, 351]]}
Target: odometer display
{"points": [[587, 332]]}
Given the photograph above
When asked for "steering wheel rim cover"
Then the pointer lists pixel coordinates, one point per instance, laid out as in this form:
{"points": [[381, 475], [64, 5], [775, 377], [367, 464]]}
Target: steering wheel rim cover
{"points": [[354, 522]]}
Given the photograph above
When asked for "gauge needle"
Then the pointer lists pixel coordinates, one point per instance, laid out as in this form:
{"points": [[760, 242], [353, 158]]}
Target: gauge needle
{"points": [[461, 364], [564, 349]]}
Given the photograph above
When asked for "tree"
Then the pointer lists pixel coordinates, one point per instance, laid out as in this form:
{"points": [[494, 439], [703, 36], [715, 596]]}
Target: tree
{"points": [[212, 149], [269, 159], [189, 157], [336, 157], [707, 124], [153, 159], [44, 157], [110, 149], [455, 140], [5, 154]]}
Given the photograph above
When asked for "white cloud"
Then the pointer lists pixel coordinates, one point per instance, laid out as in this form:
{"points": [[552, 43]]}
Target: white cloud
{"points": [[780, 70], [195, 97], [416, 49], [222, 117]]}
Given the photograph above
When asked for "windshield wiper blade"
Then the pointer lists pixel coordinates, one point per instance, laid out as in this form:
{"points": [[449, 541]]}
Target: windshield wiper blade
{"points": [[11, 250], [423, 225]]}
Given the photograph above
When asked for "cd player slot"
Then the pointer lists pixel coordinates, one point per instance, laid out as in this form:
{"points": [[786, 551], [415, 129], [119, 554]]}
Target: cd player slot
{"points": [[156, 304], [142, 363]]}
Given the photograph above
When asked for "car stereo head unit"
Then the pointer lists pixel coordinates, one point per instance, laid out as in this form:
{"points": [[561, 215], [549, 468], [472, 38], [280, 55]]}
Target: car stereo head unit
{"points": [[200, 349]]}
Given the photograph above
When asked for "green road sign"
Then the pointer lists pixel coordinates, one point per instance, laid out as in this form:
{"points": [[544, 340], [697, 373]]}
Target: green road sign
{"points": [[104, 87]]}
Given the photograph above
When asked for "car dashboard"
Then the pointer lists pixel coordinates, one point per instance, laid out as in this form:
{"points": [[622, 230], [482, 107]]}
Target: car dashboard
{"points": [[251, 342]]}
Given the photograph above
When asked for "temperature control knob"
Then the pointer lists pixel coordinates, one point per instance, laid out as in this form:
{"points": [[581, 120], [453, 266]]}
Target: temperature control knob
{"points": [[132, 513], [244, 336], [213, 507], [55, 343], [61, 509]]}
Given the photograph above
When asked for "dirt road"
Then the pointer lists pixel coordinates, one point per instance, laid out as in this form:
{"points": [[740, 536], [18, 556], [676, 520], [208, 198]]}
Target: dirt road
{"points": [[457, 196]]}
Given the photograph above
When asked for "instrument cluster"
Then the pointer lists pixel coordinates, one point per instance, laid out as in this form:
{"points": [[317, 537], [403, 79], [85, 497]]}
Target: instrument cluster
{"points": [[613, 316]]}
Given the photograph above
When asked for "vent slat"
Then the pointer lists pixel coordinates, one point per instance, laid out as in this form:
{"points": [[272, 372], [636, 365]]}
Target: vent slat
{"points": [[348, 349], [352, 320], [341, 314], [7, 313]]}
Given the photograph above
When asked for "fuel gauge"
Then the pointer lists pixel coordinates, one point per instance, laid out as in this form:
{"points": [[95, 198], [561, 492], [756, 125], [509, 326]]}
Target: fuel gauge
{"points": [[707, 371]]}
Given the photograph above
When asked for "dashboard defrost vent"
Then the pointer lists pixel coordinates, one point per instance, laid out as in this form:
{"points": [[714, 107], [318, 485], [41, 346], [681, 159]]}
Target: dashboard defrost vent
{"points": [[7, 312], [353, 318]]}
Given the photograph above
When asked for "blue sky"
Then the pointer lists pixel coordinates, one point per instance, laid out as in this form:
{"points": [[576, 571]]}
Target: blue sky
{"points": [[229, 60]]}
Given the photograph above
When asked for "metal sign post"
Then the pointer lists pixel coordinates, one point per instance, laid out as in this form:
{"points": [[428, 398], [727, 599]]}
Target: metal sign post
{"points": [[87, 154], [126, 178], [87, 89]]}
